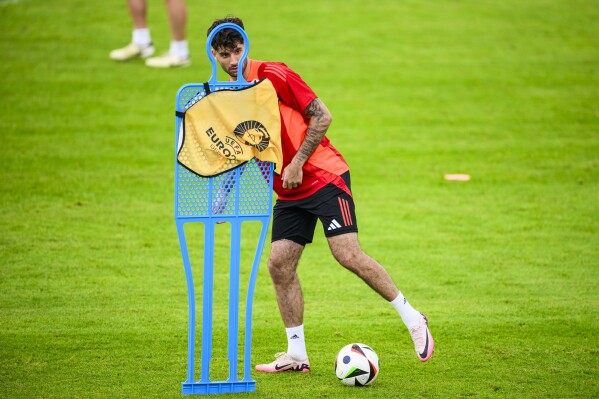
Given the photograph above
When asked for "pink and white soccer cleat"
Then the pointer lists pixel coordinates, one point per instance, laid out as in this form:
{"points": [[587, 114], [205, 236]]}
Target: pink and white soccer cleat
{"points": [[423, 340], [285, 362]]}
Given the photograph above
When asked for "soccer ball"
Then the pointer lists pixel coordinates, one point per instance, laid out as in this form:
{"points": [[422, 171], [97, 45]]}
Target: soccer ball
{"points": [[357, 365]]}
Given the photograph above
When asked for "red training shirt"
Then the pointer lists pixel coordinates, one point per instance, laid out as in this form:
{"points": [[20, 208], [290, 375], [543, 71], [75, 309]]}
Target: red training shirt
{"points": [[326, 164]]}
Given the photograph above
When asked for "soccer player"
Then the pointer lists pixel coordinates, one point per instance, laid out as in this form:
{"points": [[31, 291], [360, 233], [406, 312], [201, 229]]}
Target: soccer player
{"points": [[314, 184]]}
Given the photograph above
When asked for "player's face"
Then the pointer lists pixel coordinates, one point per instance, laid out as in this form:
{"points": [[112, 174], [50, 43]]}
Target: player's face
{"points": [[229, 58]]}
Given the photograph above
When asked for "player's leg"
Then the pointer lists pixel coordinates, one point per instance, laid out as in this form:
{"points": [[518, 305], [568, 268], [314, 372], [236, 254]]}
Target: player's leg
{"points": [[138, 10], [177, 16], [141, 42], [336, 210], [282, 266], [178, 54], [347, 251], [349, 254], [292, 229]]}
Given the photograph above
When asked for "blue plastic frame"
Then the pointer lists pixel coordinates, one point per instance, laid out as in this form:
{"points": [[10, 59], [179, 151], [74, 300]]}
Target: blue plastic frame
{"points": [[233, 384]]}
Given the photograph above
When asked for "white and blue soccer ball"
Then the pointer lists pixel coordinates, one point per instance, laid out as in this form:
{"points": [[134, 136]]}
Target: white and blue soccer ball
{"points": [[357, 365]]}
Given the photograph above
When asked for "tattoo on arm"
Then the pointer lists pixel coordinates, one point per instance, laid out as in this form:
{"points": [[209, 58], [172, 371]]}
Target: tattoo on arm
{"points": [[320, 119]]}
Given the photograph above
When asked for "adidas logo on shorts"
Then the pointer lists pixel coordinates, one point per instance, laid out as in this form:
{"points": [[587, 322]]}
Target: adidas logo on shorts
{"points": [[334, 225]]}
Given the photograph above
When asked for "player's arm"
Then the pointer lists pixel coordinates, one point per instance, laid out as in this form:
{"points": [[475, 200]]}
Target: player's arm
{"points": [[320, 120]]}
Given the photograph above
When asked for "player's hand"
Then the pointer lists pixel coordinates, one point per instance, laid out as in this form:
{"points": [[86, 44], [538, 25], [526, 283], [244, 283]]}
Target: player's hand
{"points": [[292, 176]]}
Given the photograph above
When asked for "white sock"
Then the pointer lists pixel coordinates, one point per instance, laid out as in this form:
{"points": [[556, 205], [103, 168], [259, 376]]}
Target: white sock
{"points": [[141, 37], [409, 315], [296, 345], [179, 48]]}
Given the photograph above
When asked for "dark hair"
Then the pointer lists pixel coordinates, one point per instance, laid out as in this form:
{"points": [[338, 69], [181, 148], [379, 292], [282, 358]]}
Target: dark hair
{"points": [[227, 38]]}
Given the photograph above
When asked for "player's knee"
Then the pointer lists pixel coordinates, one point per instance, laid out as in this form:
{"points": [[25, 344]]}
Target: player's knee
{"points": [[348, 257], [277, 268]]}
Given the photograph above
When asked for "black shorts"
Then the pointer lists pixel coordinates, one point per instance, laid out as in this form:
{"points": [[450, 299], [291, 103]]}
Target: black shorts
{"points": [[296, 220]]}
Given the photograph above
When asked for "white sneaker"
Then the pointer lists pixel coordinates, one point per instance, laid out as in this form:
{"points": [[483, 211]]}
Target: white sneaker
{"points": [[423, 340], [131, 51], [168, 60]]}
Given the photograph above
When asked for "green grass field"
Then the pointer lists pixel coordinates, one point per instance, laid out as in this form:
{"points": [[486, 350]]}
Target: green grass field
{"points": [[93, 301]]}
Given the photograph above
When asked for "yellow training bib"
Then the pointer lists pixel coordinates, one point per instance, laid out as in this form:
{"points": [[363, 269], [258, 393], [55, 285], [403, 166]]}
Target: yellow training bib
{"points": [[227, 128]]}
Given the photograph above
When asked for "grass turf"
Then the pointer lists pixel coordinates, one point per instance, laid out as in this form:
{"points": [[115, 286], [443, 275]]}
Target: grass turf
{"points": [[92, 292]]}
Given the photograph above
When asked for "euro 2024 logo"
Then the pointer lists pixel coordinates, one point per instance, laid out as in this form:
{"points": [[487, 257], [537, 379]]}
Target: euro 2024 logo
{"points": [[253, 133]]}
